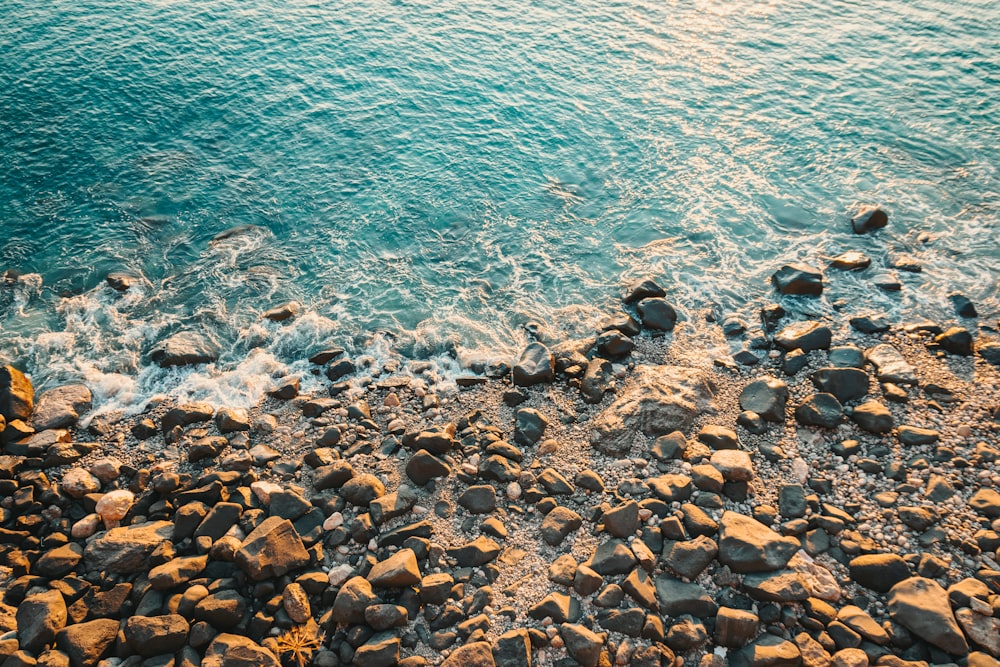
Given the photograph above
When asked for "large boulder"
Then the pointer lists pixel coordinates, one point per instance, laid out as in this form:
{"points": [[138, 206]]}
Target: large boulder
{"points": [[17, 396], [126, 550], [184, 349], [88, 643], [921, 606], [659, 400], [535, 366], [747, 545], [61, 407]]}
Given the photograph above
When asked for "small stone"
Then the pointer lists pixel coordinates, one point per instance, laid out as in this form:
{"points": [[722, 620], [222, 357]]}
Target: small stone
{"points": [[559, 523], [873, 417]]}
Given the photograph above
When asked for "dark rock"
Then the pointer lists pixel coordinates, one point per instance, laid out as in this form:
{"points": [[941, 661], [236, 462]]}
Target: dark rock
{"points": [[17, 396], [689, 558], [340, 369], [424, 466], [746, 545], [794, 361], [582, 644], [126, 550], [119, 282], [678, 598], [767, 397], [555, 483], [381, 650], [535, 366], [184, 349], [529, 426], [686, 634], [332, 476], [286, 388], [870, 324], [229, 650], [59, 562], [272, 549], [39, 617], [735, 627], [658, 315], [886, 281], [396, 571], [921, 606], [478, 552], [645, 288], [752, 422], [963, 305], [671, 487], [614, 344], [222, 609], [281, 313], [153, 635], [612, 557], [798, 279], [560, 607], [326, 356], [873, 417], [231, 420], [437, 441], [989, 351], [61, 407], [914, 436], [360, 490], [596, 380], [780, 586], [791, 501], [718, 437], [87, 643], [559, 523], [353, 598], [868, 220], [847, 384], [820, 410], [986, 502], [480, 499], [659, 400], [176, 572], [768, 651], [806, 336], [956, 340], [623, 520]]}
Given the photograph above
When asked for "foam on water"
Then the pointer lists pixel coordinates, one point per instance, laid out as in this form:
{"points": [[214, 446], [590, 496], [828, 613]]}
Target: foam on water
{"points": [[436, 180]]}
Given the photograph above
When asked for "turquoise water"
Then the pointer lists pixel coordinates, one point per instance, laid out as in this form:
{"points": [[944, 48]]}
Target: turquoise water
{"points": [[430, 177]]}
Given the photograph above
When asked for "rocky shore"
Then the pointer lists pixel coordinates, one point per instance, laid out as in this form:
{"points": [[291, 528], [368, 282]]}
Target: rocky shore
{"points": [[828, 495]]}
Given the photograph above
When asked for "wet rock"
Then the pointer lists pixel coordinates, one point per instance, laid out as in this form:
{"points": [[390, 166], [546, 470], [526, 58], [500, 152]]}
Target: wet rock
{"points": [[657, 315], [821, 409], [921, 606], [39, 617], [644, 288], [806, 336], [396, 571], [184, 349], [558, 523], [535, 366], [767, 397], [285, 311], [890, 365], [873, 417], [798, 279], [868, 220], [17, 396], [870, 324], [847, 384], [272, 549], [746, 545], [87, 643], [852, 260], [119, 282], [340, 369], [229, 650], [614, 344], [956, 340], [659, 400], [529, 426], [155, 635], [61, 407], [126, 550]]}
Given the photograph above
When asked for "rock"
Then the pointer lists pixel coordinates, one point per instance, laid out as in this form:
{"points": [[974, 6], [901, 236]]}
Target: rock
{"points": [[623, 520], [60, 561], [791, 501], [155, 635], [87, 643], [656, 314], [806, 336], [659, 400], [176, 572], [914, 436], [821, 409], [860, 621], [689, 558], [718, 437], [478, 552], [879, 572], [39, 617], [597, 380], [383, 617], [798, 279], [480, 499], [921, 606], [559, 523], [984, 631], [295, 602], [890, 365], [644, 288], [119, 282], [678, 598], [272, 549], [397, 571], [281, 313], [332, 476], [869, 219], [612, 557], [555, 483], [127, 550], [17, 396], [185, 415], [114, 505], [986, 502], [852, 260], [353, 598], [535, 366], [768, 651], [870, 324], [229, 650], [583, 645], [735, 465], [614, 344], [513, 648], [847, 384], [735, 627], [780, 586], [671, 487], [873, 417], [339, 369], [184, 349], [476, 654], [360, 490], [424, 466], [77, 483], [560, 607], [437, 441], [61, 407], [990, 352], [746, 545], [529, 426], [956, 340], [767, 397]]}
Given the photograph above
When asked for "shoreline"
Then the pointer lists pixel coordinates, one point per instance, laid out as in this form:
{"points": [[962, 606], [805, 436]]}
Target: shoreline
{"points": [[541, 534]]}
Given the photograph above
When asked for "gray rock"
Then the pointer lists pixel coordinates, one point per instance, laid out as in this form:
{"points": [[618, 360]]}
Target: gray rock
{"points": [[622, 520], [718, 437], [39, 617], [126, 550], [873, 417], [798, 279], [746, 545], [990, 352], [535, 366], [612, 557], [381, 650], [644, 288], [678, 598], [983, 630], [476, 654], [847, 384], [658, 315], [921, 606], [870, 324], [353, 598], [184, 349], [231, 420], [553, 482], [767, 396], [583, 645], [914, 435], [820, 410], [780, 586], [735, 627], [272, 549], [806, 336], [424, 466], [670, 446], [332, 476], [791, 501], [869, 219], [17, 396], [558, 523], [185, 415], [480, 499], [956, 340], [560, 607], [61, 407], [223, 609], [529, 426], [658, 400], [689, 558], [614, 344], [479, 551], [596, 380], [890, 365], [512, 648], [360, 490]]}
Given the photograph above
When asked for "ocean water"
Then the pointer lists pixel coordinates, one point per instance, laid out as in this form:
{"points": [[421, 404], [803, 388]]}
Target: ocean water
{"points": [[431, 179]]}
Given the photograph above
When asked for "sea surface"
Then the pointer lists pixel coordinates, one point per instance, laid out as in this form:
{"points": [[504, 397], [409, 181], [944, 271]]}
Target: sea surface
{"points": [[444, 179]]}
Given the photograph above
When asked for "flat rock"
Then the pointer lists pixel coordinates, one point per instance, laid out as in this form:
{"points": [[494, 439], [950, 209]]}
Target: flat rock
{"points": [[184, 349], [657, 401], [847, 384], [229, 650], [767, 396], [852, 260], [798, 279], [746, 545], [780, 586], [890, 365], [60, 407], [535, 366], [820, 409], [806, 336], [126, 550], [185, 415], [17, 396], [671, 487], [921, 606], [272, 549]]}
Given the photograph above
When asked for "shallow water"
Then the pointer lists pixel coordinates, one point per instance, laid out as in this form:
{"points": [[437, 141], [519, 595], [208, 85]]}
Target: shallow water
{"points": [[429, 177]]}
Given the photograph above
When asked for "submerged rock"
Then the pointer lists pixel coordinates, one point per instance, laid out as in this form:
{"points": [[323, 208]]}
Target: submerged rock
{"points": [[868, 220], [798, 279]]}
